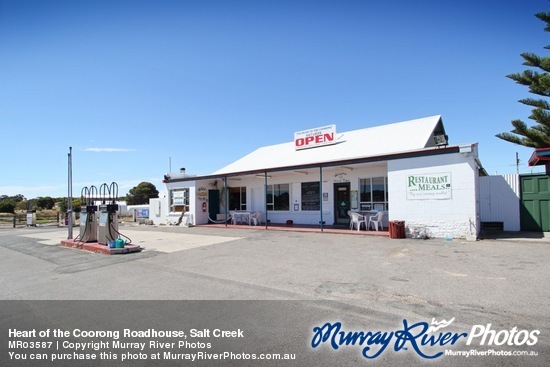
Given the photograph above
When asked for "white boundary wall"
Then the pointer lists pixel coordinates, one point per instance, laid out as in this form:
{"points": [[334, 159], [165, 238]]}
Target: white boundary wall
{"points": [[500, 200], [158, 210]]}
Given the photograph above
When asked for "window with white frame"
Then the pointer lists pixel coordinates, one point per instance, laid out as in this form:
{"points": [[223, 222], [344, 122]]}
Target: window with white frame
{"points": [[278, 197], [179, 200], [237, 198], [374, 193]]}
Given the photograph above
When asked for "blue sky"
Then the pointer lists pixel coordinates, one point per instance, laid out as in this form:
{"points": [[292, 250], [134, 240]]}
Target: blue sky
{"points": [[134, 85]]}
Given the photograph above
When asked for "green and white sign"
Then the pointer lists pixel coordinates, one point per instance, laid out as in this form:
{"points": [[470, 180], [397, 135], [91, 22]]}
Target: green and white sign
{"points": [[429, 186]]}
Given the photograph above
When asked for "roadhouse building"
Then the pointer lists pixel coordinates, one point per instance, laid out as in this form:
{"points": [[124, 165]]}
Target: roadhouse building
{"points": [[406, 170]]}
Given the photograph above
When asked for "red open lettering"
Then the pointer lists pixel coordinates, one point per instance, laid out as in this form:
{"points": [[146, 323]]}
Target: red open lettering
{"points": [[314, 140]]}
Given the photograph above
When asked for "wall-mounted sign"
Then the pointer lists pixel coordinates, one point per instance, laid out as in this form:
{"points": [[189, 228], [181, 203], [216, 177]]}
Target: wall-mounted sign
{"points": [[340, 177], [429, 186], [142, 213], [311, 199], [202, 193], [317, 137], [354, 199]]}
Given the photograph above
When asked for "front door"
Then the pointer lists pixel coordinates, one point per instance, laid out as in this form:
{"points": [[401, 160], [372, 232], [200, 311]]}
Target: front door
{"points": [[341, 202], [213, 204]]}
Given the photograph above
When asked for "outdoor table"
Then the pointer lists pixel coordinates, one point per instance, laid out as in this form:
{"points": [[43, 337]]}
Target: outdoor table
{"points": [[244, 215]]}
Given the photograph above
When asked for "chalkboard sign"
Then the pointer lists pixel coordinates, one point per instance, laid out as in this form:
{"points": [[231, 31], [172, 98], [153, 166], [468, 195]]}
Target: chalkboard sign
{"points": [[311, 199]]}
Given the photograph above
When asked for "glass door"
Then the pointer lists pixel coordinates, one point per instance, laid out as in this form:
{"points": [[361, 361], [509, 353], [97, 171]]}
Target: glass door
{"points": [[342, 203]]}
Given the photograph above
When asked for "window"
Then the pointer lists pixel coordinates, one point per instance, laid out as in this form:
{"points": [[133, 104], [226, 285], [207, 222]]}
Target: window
{"points": [[374, 193], [179, 200], [278, 197], [237, 198]]}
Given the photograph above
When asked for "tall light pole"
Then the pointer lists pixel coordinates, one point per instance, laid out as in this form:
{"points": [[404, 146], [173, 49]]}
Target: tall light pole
{"points": [[70, 196]]}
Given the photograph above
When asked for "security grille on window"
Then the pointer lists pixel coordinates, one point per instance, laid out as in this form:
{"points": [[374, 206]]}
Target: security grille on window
{"points": [[179, 200]]}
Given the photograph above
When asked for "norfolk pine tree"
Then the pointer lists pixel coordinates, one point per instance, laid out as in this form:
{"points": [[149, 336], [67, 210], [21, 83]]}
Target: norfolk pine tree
{"points": [[537, 136]]}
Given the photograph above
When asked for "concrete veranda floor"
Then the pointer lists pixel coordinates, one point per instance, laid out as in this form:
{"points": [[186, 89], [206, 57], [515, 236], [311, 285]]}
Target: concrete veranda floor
{"points": [[302, 228]]}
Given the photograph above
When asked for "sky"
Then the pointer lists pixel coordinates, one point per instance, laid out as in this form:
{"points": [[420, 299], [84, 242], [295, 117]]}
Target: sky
{"points": [[141, 88]]}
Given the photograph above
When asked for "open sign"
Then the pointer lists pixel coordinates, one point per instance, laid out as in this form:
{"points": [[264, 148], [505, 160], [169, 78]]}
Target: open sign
{"points": [[319, 136]]}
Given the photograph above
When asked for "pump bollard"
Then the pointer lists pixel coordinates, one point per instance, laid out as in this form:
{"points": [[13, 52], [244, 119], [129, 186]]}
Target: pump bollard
{"points": [[88, 224], [107, 229]]}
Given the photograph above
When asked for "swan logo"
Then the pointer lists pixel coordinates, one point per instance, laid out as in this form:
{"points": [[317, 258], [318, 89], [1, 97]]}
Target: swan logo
{"points": [[435, 326]]}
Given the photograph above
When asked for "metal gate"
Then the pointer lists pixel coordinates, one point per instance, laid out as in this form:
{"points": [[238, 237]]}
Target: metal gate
{"points": [[500, 202], [535, 203]]}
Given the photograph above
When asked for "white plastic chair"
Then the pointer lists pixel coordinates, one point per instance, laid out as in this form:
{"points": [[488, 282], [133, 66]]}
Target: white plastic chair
{"points": [[234, 219], [256, 218], [357, 218], [376, 220]]}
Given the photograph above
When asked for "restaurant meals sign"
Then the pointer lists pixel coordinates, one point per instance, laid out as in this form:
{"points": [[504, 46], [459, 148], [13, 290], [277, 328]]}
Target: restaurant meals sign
{"points": [[429, 186], [316, 137]]}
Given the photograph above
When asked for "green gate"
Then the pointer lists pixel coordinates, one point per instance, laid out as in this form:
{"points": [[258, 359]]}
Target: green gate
{"points": [[535, 203]]}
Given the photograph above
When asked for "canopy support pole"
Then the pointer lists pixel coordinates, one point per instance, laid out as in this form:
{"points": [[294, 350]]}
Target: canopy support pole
{"points": [[226, 198], [265, 196], [321, 195]]}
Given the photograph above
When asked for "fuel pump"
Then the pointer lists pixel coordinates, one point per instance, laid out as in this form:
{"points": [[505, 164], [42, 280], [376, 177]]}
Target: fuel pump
{"points": [[108, 221], [88, 222]]}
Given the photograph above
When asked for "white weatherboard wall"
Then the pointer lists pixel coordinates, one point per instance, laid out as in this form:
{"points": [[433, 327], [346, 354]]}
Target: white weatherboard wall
{"points": [[500, 200], [455, 216]]}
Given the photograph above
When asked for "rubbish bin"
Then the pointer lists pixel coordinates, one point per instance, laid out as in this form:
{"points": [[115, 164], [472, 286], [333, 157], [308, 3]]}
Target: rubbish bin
{"points": [[397, 229], [31, 218]]}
